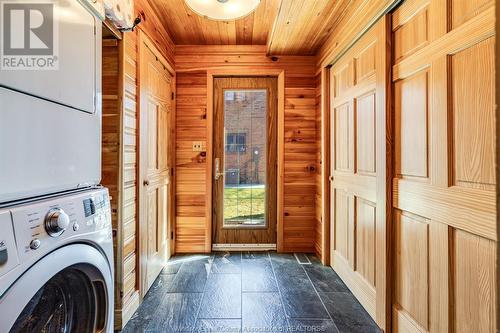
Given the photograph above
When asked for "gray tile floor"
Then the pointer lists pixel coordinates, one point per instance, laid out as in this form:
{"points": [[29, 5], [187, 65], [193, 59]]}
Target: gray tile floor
{"points": [[249, 292]]}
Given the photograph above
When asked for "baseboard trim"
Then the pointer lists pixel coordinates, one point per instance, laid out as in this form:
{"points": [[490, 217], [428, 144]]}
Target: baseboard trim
{"points": [[243, 247]]}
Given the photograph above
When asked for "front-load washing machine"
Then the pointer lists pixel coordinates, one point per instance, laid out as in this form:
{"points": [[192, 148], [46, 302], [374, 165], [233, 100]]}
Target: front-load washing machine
{"points": [[56, 265]]}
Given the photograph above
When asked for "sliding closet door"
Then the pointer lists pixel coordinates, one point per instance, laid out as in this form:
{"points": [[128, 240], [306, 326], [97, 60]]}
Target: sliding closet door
{"points": [[444, 185], [359, 174]]}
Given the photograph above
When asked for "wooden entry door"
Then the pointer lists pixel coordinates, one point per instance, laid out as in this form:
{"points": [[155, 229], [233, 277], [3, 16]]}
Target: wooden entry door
{"points": [[358, 188], [245, 160], [444, 184], [156, 125]]}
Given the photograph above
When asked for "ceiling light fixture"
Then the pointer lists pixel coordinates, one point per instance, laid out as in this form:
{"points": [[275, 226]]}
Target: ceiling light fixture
{"points": [[223, 10]]}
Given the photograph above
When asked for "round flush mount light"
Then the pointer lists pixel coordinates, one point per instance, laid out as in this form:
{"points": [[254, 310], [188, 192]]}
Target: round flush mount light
{"points": [[223, 10]]}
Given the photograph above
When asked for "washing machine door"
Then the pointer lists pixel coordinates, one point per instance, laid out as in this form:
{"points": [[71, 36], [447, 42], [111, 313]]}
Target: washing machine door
{"points": [[69, 290]]}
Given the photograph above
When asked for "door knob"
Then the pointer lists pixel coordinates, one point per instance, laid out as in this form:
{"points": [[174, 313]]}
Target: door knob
{"points": [[146, 183]]}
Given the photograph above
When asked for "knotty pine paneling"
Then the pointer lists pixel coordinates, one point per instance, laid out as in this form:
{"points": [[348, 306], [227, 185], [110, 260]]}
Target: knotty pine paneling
{"points": [[120, 137], [153, 27], [300, 147], [111, 140], [188, 28], [318, 240]]}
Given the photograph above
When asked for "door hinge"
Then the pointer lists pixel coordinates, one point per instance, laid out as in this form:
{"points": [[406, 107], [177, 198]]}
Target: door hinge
{"points": [[171, 172], [173, 96], [171, 235]]}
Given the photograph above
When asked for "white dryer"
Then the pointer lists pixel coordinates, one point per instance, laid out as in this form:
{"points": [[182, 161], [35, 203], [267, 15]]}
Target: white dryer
{"points": [[56, 265]]}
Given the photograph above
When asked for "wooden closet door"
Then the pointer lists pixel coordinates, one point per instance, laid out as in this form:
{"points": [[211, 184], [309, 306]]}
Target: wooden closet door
{"points": [[444, 217], [155, 157], [358, 116]]}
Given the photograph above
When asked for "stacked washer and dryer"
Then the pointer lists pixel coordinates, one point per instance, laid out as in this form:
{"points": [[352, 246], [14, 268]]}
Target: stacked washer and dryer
{"points": [[56, 244]]}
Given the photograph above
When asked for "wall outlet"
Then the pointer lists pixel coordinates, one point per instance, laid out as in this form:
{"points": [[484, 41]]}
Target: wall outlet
{"points": [[198, 146]]}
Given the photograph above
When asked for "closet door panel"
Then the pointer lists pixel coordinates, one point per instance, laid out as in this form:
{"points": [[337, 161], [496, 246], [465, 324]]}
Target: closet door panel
{"points": [[444, 183], [358, 187]]}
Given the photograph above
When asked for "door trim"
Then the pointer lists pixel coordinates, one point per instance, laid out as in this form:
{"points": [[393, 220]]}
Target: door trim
{"points": [[211, 74], [142, 38], [244, 247]]}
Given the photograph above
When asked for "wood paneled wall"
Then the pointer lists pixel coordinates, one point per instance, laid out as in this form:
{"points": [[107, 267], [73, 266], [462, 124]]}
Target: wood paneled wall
{"points": [[154, 29], [111, 143], [120, 136], [119, 165], [300, 147], [318, 240]]}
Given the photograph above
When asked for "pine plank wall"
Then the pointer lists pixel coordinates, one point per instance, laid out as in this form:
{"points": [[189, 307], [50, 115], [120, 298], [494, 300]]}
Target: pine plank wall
{"points": [[300, 146]]}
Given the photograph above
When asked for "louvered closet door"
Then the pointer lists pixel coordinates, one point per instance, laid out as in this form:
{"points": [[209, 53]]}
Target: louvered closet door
{"points": [[444, 186], [358, 182]]}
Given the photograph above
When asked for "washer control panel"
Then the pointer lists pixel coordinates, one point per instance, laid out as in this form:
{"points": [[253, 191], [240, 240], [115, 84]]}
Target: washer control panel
{"points": [[41, 226]]}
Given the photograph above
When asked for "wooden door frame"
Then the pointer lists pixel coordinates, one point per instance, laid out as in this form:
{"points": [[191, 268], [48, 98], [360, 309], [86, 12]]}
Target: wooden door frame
{"points": [[211, 74], [384, 166], [142, 38], [325, 165]]}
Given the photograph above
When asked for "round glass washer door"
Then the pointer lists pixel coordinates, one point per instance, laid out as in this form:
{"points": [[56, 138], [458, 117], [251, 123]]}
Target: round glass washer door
{"points": [[68, 290], [68, 302]]}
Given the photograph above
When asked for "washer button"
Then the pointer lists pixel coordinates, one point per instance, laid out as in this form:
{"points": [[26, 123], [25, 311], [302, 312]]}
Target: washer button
{"points": [[76, 227], [35, 244]]}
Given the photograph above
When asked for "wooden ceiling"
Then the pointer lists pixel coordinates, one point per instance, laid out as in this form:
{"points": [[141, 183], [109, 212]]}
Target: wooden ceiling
{"points": [[287, 27], [188, 28]]}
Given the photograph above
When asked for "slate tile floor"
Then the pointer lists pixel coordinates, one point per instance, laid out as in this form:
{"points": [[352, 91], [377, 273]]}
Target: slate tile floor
{"points": [[249, 292]]}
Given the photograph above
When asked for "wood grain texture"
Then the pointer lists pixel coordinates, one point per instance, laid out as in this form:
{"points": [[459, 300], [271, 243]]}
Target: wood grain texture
{"points": [[319, 244], [155, 28], [473, 265], [455, 198], [156, 82], [366, 134], [472, 72], [301, 27], [411, 269], [119, 166], [110, 162], [188, 28], [299, 132], [350, 22], [365, 233], [411, 130], [497, 159], [120, 137], [359, 148], [287, 27]]}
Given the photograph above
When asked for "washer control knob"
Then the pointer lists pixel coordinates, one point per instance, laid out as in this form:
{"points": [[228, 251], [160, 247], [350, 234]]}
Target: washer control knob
{"points": [[56, 222], [35, 244]]}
